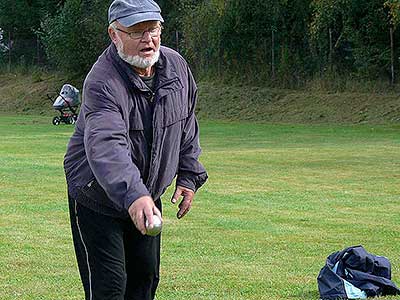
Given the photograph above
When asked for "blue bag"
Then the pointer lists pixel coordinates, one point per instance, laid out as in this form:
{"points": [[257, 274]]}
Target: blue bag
{"points": [[353, 273]]}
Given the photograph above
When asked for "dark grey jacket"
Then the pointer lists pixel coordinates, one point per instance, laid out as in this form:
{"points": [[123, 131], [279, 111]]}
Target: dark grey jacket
{"points": [[108, 164]]}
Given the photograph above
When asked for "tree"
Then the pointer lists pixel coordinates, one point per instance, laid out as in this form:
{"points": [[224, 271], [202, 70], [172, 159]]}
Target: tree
{"points": [[350, 31], [393, 7], [20, 21], [75, 36]]}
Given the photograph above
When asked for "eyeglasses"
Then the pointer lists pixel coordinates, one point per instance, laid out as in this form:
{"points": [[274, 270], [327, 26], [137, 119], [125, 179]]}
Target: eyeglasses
{"points": [[135, 35]]}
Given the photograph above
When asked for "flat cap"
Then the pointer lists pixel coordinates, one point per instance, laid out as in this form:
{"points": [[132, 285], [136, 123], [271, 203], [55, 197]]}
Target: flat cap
{"points": [[131, 12]]}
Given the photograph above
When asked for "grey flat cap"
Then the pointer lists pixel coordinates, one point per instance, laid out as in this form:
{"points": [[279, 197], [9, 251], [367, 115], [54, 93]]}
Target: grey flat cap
{"points": [[131, 12]]}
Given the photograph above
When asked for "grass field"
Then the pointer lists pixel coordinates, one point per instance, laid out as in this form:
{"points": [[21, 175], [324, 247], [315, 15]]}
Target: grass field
{"points": [[279, 200]]}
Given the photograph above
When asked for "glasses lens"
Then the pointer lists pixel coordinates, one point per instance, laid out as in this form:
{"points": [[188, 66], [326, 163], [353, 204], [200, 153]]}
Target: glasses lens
{"points": [[136, 34], [154, 31]]}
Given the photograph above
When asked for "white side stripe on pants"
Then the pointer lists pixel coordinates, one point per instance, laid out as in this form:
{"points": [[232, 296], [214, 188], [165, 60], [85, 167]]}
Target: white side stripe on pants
{"points": [[87, 254]]}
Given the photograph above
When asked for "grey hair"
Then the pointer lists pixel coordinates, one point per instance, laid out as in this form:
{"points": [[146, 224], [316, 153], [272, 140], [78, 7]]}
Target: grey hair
{"points": [[113, 25]]}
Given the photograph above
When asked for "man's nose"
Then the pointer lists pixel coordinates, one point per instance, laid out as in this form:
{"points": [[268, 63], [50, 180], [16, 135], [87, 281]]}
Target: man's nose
{"points": [[146, 36]]}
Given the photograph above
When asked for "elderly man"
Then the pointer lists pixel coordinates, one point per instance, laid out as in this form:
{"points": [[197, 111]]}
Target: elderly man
{"points": [[135, 132]]}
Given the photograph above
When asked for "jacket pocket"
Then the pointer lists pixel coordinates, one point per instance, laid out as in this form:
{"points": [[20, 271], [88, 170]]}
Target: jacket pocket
{"points": [[94, 193], [175, 109]]}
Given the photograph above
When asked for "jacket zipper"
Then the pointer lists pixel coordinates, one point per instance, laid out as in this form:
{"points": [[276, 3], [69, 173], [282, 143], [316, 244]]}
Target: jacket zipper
{"points": [[150, 178]]}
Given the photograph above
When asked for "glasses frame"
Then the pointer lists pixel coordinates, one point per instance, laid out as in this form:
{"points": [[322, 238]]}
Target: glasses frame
{"points": [[137, 37]]}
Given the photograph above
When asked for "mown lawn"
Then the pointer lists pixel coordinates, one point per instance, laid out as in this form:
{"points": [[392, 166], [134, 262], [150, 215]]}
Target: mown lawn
{"points": [[279, 200]]}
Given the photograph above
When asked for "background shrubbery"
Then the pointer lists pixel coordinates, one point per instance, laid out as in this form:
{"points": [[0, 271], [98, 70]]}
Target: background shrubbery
{"points": [[274, 42]]}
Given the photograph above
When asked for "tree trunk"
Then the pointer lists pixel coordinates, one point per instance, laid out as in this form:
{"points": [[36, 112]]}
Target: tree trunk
{"points": [[177, 40], [273, 54], [9, 51], [392, 55], [38, 50], [330, 49]]}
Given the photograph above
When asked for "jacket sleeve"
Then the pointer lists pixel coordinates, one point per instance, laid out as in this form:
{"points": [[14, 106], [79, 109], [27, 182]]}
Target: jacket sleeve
{"points": [[106, 142], [191, 173]]}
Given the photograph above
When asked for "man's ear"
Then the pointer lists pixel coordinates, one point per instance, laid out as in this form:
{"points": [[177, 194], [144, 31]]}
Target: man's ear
{"points": [[113, 35]]}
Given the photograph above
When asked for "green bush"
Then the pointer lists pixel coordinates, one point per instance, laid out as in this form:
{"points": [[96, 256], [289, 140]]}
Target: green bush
{"points": [[76, 36]]}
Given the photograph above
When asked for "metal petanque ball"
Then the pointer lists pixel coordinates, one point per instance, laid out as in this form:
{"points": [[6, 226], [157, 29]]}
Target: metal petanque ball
{"points": [[156, 228]]}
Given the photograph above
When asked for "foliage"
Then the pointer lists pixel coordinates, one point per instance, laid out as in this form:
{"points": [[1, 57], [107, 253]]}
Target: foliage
{"points": [[276, 42], [3, 46], [77, 35], [242, 37], [394, 11], [20, 21]]}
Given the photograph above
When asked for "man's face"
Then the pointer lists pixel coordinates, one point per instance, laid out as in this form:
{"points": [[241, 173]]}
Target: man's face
{"points": [[145, 47]]}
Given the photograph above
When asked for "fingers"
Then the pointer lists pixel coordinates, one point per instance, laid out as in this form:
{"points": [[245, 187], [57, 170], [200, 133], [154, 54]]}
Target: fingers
{"points": [[185, 206], [183, 210], [148, 212], [157, 212], [186, 203], [138, 220], [141, 210], [177, 194]]}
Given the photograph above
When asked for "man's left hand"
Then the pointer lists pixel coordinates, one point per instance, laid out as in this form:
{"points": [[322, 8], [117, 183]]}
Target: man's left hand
{"points": [[186, 203]]}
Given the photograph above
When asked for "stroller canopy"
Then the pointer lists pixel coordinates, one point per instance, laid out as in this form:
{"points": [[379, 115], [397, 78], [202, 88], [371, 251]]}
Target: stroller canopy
{"points": [[68, 97]]}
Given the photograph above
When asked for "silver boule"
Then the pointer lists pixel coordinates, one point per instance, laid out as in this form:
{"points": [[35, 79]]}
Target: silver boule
{"points": [[156, 228]]}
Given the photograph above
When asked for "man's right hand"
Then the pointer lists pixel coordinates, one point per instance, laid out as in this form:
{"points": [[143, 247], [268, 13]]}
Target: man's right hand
{"points": [[143, 209]]}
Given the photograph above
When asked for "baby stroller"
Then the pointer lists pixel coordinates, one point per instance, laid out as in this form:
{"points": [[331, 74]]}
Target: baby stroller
{"points": [[67, 104]]}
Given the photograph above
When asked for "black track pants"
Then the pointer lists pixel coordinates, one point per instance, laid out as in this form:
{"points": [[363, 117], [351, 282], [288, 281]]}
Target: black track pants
{"points": [[116, 262]]}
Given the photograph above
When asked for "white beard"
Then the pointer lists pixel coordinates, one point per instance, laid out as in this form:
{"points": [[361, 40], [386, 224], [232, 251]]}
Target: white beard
{"points": [[136, 60]]}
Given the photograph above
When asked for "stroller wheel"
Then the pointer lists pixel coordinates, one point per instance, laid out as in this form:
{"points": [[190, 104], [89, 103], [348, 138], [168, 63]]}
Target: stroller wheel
{"points": [[56, 121], [70, 120]]}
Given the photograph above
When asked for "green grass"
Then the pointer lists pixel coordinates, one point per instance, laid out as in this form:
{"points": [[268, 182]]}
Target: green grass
{"points": [[25, 93], [279, 200]]}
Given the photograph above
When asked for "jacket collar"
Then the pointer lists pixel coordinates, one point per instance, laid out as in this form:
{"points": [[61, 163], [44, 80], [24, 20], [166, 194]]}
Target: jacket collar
{"points": [[166, 70]]}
